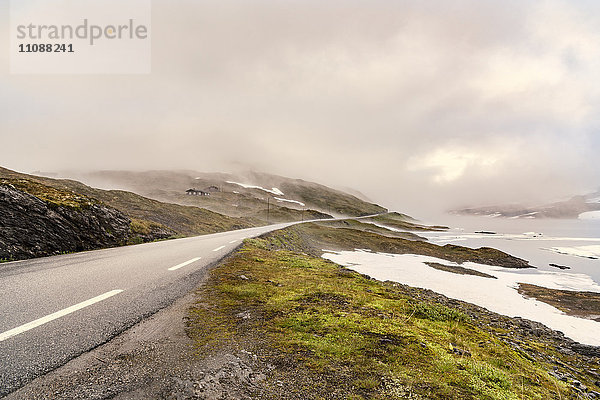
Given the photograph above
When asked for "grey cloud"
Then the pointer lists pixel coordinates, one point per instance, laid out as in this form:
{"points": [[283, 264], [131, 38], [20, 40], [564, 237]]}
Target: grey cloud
{"points": [[348, 93]]}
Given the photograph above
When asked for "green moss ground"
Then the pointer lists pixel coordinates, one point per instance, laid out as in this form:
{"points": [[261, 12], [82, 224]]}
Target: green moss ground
{"points": [[54, 196], [333, 333], [316, 236]]}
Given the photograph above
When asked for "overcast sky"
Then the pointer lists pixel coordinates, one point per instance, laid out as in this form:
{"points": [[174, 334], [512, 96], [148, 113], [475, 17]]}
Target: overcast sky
{"points": [[415, 103]]}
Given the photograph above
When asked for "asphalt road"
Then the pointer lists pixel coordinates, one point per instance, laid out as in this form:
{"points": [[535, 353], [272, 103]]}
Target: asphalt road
{"points": [[56, 308]]}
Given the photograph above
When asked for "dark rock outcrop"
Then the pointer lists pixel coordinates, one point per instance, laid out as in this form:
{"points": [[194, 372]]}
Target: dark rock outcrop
{"points": [[31, 227]]}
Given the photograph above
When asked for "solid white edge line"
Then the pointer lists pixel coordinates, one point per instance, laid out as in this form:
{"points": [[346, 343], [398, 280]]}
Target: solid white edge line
{"points": [[41, 321], [184, 264], [219, 248]]}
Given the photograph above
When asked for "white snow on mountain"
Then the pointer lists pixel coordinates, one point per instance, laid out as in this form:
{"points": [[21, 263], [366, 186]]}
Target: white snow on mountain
{"points": [[594, 200], [274, 190], [290, 201]]}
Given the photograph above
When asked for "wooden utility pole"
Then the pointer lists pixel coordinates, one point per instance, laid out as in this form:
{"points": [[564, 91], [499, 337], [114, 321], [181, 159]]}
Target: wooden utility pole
{"points": [[268, 210]]}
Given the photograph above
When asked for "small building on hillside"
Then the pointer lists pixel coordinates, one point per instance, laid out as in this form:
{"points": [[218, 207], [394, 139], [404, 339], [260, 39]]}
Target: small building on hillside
{"points": [[196, 192]]}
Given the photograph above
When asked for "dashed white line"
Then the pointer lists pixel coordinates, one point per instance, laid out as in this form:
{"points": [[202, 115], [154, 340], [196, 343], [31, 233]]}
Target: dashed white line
{"points": [[183, 264], [233, 241], [219, 248], [41, 321]]}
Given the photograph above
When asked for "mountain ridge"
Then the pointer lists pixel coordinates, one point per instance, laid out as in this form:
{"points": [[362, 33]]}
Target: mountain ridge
{"points": [[41, 216], [239, 194], [571, 208]]}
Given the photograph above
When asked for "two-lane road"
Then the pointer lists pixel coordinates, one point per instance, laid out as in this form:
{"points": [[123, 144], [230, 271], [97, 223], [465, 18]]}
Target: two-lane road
{"points": [[55, 308]]}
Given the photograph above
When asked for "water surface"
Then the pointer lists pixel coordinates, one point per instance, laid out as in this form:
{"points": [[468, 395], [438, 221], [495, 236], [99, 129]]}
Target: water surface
{"points": [[529, 239]]}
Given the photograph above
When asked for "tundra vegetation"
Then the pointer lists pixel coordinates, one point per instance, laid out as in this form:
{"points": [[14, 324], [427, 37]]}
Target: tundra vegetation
{"points": [[322, 331]]}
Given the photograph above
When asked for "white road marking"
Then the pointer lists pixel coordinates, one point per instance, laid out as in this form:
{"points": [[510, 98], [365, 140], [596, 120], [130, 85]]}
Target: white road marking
{"points": [[219, 248], [233, 241], [41, 321], [184, 264]]}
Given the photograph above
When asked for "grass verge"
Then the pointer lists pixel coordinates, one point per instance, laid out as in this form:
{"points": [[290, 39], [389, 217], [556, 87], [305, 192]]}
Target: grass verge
{"points": [[323, 332]]}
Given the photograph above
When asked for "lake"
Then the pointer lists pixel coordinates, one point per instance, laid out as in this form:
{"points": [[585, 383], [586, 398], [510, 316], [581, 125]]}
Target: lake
{"points": [[529, 239]]}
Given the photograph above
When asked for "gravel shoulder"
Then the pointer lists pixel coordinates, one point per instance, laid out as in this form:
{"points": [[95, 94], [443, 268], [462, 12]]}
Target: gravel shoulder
{"points": [[144, 362], [155, 359]]}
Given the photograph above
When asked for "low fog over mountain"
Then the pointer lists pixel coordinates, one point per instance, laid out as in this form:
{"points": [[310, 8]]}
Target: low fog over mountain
{"points": [[420, 106]]}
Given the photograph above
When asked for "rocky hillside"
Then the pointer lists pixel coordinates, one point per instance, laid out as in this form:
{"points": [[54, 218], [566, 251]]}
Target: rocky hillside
{"points": [[45, 216], [238, 195], [32, 227], [42, 216]]}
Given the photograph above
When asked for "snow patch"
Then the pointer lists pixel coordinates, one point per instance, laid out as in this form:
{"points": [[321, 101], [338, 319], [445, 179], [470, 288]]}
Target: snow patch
{"points": [[528, 215], [494, 215], [274, 190], [590, 215], [384, 226], [497, 295], [535, 236], [289, 201]]}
